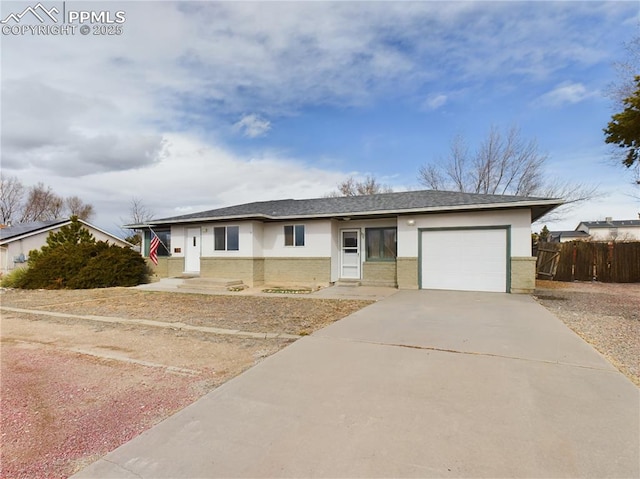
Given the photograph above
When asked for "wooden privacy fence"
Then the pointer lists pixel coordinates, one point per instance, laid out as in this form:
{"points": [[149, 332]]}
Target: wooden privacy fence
{"points": [[589, 261]]}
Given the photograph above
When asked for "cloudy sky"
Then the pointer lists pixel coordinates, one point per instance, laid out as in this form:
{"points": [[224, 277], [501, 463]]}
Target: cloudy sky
{"points": [[198, 105]]}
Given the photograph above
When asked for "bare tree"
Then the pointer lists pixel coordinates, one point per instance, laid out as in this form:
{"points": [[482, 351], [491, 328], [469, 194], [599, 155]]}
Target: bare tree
{"points": [[41, 204], [139, 213], [503, 164], [76, 207], [626, 69], [353, 187], [11, 195]]}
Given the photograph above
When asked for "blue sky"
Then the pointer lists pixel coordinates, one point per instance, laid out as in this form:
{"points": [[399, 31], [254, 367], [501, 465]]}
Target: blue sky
{"points": [[198, 105]]}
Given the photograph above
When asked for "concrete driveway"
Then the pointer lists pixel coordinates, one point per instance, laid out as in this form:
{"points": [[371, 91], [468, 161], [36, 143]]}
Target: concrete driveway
{"points": [[421, 384]]}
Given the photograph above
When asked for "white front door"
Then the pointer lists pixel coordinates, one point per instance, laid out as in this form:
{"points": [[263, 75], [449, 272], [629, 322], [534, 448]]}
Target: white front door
{"points": [[350, 254], [192, 251]]}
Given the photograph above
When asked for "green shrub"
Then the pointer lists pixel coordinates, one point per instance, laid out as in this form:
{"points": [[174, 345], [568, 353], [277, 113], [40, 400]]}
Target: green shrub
{"points": [[54, 268], [113, 266], [73, 259], [13, 278]]}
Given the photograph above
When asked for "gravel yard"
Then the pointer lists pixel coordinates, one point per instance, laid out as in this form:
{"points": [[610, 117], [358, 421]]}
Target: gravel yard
{"points": [[74, 389], [606, 315], [248, 313]]}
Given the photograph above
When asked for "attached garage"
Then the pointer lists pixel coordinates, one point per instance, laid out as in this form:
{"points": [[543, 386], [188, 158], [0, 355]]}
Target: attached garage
{"points": [[465, 259]]}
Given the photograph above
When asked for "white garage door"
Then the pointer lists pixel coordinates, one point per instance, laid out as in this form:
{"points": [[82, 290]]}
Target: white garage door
{"points": [[466, 260]]}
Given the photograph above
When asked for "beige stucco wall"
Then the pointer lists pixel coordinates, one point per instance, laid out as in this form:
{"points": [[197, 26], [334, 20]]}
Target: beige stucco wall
{"points": [[407, 273], [175, 267], [166, 268], [161, 270], [523, 274], [249, 270], [297, 271], [379, 273]]}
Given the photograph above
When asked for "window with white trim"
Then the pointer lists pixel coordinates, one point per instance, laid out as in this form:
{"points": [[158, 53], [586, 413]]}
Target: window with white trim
{"points": [[226, 238], [294, 235]]}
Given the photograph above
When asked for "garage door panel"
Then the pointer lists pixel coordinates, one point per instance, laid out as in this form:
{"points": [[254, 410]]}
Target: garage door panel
{"points": [[466, 260]]}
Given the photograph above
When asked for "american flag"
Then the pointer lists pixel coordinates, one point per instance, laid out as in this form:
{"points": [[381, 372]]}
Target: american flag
{"points": [[153, 248]]}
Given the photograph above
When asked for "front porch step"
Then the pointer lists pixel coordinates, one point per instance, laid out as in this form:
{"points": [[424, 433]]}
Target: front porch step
{"points": [[209, 284], [350, 283]]}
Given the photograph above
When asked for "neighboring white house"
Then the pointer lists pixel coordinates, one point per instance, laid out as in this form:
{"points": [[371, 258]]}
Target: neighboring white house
{"points": [[565, 236], [611, 230], [16, 241], [415, 239]]}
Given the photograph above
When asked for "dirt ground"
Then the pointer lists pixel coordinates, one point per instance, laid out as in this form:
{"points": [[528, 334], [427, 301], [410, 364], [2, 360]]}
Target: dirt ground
{"points": [[606, 315], [74, 389]]}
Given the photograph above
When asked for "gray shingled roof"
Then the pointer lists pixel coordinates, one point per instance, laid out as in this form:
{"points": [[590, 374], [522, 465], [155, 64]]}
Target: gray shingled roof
{"points": [[610, 224], [9, 234], [366, 205], [568, 234], [25, 228]]}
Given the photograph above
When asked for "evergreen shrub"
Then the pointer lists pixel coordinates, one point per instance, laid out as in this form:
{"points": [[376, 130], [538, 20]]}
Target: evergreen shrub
{"points": [[73, 259]]}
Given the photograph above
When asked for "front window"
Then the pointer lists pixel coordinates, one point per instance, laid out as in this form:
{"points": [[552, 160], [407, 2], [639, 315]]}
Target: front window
{"points": [[226, 238], [164, 235], [381, 244], [294, 235]]}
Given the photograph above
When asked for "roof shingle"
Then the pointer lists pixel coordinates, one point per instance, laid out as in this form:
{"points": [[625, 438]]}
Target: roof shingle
{"points": [[396, 203], [24, 228], [611, 224]]}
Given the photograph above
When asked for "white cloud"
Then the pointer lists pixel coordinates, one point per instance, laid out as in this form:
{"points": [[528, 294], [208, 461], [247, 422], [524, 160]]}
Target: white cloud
{"points": [[144, 113], [191, 176], [434, 102], [566, 93], [65, 133], [252, 126]]}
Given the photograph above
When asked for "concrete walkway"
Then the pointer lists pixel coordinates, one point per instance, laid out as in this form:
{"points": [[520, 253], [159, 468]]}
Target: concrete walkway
{"points": [[368, 293], [421, 384]]}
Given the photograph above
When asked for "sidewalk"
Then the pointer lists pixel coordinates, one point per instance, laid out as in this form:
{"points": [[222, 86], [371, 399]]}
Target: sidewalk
{"points": [[421, 384], [372, 293]]}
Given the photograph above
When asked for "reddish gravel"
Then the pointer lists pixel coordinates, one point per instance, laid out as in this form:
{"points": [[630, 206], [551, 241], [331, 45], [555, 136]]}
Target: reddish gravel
{"points": [[56, 418]]}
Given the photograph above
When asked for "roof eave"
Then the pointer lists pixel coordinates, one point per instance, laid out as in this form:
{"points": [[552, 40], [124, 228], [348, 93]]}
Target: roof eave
{"points": [[60, 224], [541, 209], [538, 207], [42, 229]]}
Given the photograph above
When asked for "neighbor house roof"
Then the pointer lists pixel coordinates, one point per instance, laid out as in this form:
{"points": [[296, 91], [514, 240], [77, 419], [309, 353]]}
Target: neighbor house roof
{"points": [[9, 234], [568, 234], [22, 229], [408, 202], [610, 224]]}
